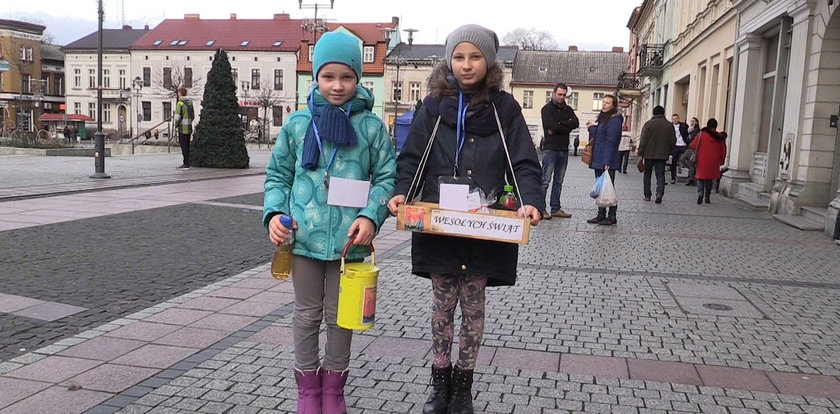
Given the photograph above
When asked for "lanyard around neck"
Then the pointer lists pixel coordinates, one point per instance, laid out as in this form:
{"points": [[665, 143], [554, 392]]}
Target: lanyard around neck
{"points": [[460, 130], [327, 164]]}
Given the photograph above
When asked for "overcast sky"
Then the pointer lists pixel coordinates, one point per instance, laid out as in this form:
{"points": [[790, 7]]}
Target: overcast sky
{"points": [[589, 24]]}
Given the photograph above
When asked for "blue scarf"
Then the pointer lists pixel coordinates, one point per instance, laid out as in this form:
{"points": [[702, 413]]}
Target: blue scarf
{"points": [[332, 124]]}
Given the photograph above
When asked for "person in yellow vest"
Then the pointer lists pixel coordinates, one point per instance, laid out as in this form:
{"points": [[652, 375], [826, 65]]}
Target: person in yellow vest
{"points": [[184, 116]]}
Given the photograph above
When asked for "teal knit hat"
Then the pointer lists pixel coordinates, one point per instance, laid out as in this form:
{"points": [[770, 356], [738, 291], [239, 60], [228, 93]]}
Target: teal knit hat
{"points": [[337, 47]]}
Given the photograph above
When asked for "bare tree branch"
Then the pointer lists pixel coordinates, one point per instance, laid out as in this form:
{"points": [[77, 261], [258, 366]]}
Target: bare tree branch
{"points": [[267, 97], [530, 39], [177, 76]]}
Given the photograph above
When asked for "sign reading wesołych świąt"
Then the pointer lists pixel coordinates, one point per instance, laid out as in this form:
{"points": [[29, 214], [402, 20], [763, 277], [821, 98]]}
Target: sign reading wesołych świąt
{"points": [[499, 225]]}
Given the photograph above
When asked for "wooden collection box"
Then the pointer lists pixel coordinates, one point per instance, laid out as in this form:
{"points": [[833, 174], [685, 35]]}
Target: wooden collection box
{"points": [[499, 225]]}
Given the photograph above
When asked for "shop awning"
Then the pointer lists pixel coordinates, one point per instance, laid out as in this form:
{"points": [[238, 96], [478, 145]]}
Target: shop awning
{"points": [[60, 117]]}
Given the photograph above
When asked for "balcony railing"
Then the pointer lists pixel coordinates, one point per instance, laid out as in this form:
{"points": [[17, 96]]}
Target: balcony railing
{"points": [[651, 59], [629, 81]]}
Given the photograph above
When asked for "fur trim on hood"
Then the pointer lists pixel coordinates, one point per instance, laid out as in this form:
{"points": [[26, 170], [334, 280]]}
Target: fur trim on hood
{"points": [[442, 82], [720, 136]]}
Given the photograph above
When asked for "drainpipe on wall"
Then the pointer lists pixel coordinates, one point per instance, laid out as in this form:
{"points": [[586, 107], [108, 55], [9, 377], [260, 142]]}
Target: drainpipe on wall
{"points": [[733, 85]]}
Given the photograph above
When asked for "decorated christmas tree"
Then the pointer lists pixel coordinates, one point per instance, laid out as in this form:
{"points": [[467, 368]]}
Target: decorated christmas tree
{"points": [[218, 140]]}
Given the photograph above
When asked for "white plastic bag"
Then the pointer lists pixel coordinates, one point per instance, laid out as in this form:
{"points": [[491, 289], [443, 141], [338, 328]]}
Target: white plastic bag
{"points": [[607, 198], [596, 189]]}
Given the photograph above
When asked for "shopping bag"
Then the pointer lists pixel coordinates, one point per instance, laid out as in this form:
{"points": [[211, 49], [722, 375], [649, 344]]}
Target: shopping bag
{"points": [[596, 189], [607, 198], [586, 155]]}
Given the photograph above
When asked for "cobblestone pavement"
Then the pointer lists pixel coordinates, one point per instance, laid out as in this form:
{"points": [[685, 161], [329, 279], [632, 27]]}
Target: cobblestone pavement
{"points": [[36, 176], [679, 308], [120, 264]]}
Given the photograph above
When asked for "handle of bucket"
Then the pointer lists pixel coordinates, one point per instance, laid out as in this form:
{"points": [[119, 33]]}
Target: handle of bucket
{"points": [[347, 247]]}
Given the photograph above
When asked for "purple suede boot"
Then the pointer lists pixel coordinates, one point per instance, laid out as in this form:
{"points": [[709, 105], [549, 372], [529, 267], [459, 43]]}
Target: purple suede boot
{"points": [[332, 396], [309, 391]]}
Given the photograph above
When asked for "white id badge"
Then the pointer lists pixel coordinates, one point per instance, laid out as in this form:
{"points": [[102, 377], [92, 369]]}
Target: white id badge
{"points": [[454, 197], [347, 192]]}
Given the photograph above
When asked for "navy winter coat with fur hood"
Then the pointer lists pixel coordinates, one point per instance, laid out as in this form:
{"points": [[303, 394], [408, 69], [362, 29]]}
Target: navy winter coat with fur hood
{"points": [[483, 159]]}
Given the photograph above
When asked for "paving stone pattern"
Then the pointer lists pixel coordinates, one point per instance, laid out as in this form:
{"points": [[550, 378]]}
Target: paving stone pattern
{"points": [[252, 377], [37, 176], [625, 303], [118, 264]]}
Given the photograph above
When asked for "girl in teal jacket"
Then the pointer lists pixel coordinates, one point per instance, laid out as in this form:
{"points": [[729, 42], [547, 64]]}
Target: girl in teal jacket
{"points": [[335, 139]]}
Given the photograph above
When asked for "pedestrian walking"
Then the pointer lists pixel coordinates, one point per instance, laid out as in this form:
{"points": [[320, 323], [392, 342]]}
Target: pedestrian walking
{"points": [[681, 134], [337, 135], [558, 120], [478, 130], [693, 130], [606, 134], [184, 116], [66, 132], [710, 146], [656, 142], [624, 148]]}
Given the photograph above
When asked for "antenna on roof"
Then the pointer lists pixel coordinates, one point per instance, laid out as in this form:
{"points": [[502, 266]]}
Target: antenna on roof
{"points": [[122, 12]]}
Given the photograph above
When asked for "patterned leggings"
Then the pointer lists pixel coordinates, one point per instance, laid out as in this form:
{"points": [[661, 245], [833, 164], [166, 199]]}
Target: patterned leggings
{"points": [[447, 291]]}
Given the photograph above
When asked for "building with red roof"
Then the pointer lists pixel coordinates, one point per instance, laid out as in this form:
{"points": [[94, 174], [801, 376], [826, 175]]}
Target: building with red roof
{"points": [[179, 53], [269, 58], [374, 50]]}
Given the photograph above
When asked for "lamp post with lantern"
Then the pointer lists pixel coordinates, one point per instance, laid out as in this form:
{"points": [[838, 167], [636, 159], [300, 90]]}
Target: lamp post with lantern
{"points": [[397, 59], [99, 137], [315, 25], [136, 87]]}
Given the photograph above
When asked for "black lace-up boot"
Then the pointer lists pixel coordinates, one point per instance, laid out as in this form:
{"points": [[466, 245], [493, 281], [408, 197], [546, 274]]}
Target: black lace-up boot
{"points": [[461, 399], [438, 400]]}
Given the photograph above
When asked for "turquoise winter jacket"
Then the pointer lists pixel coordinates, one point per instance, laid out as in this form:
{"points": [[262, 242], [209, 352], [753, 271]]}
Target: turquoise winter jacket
{"points": [[292, 189]]}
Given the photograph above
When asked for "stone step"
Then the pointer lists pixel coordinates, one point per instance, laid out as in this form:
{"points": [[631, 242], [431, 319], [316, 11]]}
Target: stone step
{"points": [[816, 214], [799, 222], [760, 203]]}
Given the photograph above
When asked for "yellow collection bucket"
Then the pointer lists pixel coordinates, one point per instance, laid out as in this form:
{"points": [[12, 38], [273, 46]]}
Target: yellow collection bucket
{"points": [[357, 292]]}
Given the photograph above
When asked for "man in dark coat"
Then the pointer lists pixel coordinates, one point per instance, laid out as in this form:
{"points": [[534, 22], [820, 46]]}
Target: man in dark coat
{"points": [[558, 121], [656, 143]]}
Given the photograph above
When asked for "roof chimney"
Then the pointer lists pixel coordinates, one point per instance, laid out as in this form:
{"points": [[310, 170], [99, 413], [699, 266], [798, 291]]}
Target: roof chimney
{"points": [[573, 49], [233, 16], [126, 27], [192, 16], [281, 16], [146, 27], [617, 49]]}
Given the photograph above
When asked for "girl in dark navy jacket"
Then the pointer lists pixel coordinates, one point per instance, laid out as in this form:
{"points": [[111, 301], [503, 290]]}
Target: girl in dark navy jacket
{"points": [[465, 95], [606, 135]]}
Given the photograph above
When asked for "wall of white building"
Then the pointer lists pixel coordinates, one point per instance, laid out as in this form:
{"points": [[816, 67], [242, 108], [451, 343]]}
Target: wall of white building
{"points": [[122, 103], [80, 81], [154, 96]]}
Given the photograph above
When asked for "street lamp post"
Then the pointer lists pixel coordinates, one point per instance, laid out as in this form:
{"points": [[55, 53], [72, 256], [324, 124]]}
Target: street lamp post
{"points": [[397, 60], [245, 85], [99, 151], [315, 25], [137, 86]]}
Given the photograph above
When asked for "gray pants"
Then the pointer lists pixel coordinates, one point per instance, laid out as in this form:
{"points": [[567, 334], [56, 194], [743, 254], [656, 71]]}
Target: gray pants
{"points": [[316, 298]]}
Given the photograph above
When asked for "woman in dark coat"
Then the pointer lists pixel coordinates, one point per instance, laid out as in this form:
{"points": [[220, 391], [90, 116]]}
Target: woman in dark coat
{"points": [[711, 154], [606, 135], [464, 90]]}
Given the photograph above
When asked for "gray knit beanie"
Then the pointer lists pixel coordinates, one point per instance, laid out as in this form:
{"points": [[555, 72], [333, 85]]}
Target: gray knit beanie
{"points": [[481, 37]]}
